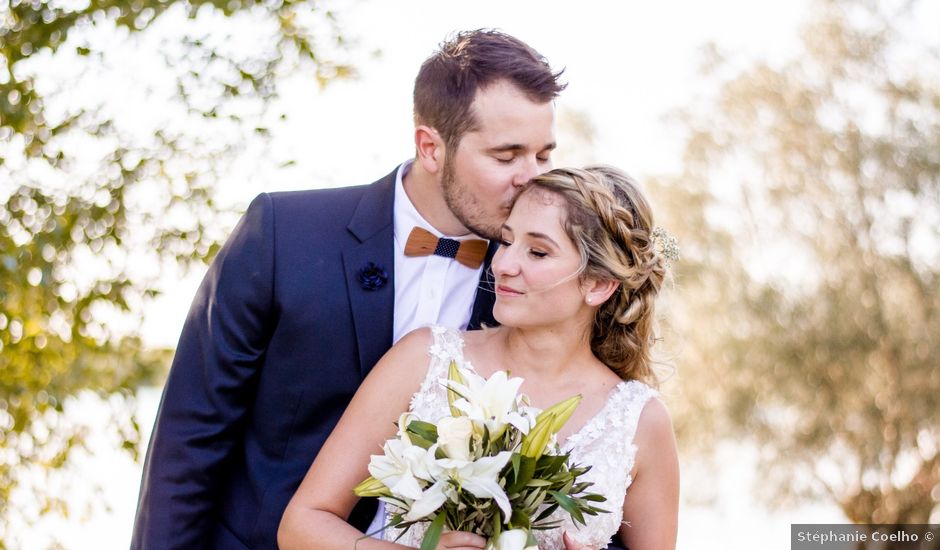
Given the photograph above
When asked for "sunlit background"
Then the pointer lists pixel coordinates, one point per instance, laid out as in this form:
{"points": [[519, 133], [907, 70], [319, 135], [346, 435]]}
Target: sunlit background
{"points": [[792, 147]]}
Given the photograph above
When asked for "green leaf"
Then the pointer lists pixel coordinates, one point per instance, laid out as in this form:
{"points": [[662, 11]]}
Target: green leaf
{"points": [[533, 500], [424, 430], [546, 512], [419, 441], [519, 519], [538, 483], [526, 470], [569, 505], [433, 534]]}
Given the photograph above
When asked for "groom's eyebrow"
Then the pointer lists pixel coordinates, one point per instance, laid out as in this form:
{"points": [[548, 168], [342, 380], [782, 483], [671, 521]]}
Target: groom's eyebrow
{"points": [[520, 147]]}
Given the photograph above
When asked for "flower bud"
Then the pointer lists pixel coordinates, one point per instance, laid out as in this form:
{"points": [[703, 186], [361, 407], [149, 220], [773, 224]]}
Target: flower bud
{"points": [[453, 373], [562, 412], [534, 442], [372, 487]]}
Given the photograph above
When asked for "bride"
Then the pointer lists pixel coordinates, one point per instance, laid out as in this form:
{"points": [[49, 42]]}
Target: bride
{"points": [[576, 280]]}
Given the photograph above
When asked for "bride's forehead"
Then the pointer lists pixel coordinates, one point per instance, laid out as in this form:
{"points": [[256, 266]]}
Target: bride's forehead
{"points": [[540, 202], [538, 210]]}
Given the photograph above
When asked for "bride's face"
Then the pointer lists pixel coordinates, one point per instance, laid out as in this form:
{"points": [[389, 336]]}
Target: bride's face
{"points": [[537, 266]]}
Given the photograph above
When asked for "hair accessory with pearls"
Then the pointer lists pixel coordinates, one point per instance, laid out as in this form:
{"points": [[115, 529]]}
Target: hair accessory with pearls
{"points": [[665, 244]]}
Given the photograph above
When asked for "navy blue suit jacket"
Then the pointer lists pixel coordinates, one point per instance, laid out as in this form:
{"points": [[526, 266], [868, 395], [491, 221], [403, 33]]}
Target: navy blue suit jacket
{"points": [[279, 336]]}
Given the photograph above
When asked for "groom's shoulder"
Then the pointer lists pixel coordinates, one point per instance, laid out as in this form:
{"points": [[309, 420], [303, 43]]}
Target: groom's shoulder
{"points": [[334, 197], [333, 200]]}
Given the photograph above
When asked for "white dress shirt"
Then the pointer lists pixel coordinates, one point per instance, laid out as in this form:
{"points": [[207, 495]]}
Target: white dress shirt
{"points": [[428, 289]]}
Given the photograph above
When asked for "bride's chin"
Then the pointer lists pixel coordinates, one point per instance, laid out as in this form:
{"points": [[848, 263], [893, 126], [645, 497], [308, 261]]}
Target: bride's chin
{"points": [[515, 320], [504, 316]]}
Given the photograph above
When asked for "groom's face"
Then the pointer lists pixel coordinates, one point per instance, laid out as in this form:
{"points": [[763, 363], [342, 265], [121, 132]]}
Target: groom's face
{"points": [[512, 142]]}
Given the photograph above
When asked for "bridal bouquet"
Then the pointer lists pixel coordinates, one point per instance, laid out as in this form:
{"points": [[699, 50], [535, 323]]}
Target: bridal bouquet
{"points": [[493, 467]]}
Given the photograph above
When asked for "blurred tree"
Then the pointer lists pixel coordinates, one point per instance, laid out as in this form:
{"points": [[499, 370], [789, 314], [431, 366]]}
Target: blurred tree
{"points": [[96, 200], [809, 210]]}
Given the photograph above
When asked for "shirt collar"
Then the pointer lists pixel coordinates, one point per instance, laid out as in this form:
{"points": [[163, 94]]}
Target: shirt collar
{"points": [[406, 216]]}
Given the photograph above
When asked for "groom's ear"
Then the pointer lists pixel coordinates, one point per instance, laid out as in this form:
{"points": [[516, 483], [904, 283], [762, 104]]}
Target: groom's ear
{"points": [[430, 148]]}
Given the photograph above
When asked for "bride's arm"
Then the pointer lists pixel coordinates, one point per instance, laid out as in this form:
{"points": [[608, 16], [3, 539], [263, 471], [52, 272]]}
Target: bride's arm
{"points": [[652, 504], [316, 515]]}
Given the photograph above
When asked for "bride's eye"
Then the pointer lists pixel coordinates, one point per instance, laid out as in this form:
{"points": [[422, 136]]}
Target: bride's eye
{"points": [[538, 253]]}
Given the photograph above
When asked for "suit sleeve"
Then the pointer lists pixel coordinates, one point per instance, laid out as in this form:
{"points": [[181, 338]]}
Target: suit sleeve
{"points": [[210, 386]]}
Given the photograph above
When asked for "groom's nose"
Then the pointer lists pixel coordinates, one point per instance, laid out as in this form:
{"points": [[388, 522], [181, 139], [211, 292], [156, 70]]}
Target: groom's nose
{"points": [[528, 169]]}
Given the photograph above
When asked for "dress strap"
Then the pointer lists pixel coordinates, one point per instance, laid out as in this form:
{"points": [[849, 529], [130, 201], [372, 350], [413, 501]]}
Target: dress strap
{"points": [[620, 415], [446, 346]]}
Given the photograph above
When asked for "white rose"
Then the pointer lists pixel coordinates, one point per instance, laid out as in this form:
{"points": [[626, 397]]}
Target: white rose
{"points": [[453, 436]]}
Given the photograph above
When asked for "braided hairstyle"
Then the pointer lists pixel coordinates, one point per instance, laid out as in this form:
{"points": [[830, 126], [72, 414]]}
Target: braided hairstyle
{"points": [[610, 222]]}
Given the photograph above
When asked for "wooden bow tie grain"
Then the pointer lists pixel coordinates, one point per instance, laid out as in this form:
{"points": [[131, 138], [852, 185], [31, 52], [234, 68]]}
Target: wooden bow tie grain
{"points": [[422, 242]]}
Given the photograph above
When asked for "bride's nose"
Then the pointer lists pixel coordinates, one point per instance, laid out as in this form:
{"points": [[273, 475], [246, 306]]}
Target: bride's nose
{"points": [[504, 261]]}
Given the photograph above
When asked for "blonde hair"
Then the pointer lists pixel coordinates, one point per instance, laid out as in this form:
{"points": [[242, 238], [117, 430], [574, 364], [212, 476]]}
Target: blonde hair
{"points": [[610, 222]]}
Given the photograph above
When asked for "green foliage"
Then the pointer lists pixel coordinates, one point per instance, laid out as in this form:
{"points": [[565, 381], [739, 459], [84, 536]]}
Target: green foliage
{"points": [[95, 207], [826, 170]]}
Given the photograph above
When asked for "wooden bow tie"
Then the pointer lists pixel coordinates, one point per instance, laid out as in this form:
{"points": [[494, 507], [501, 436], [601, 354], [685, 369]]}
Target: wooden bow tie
{"points": [[422, 242]]}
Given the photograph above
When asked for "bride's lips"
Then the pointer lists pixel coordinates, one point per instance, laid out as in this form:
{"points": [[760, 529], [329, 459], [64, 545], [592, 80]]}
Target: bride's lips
{"points": [[503, 290]]}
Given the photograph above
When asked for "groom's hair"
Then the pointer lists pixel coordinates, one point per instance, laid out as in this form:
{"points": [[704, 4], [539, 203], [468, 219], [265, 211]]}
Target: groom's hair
{"points": [[470, 61]]}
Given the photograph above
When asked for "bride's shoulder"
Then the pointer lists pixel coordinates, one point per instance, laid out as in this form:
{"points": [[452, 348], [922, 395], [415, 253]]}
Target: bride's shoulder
{"points": [[654, 428], [482, 337], [432, 340], [417, 341]]}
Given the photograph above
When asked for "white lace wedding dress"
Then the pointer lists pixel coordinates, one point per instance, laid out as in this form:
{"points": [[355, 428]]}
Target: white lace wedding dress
{"points": [[605, 442]]}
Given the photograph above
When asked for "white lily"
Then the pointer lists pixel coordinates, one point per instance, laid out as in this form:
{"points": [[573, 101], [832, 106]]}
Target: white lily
{"points": [[490, 402], [430, 501], [403, 422], [396, 468], [479, 477], [514, 539]]}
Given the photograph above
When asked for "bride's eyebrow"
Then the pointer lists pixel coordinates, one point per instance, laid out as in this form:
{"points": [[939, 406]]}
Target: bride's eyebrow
{"points": [[543, 236], [534, 235]]}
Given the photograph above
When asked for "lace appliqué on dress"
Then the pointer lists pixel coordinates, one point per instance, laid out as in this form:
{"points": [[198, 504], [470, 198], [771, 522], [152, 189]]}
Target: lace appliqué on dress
{"points": [[605, 443]]}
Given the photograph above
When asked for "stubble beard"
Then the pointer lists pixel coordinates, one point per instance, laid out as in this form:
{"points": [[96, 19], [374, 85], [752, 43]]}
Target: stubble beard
{"points": [[464, 205]]}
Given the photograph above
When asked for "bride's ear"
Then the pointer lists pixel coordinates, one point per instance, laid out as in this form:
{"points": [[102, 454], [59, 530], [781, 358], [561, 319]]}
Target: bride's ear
{"points": [[598, 291]]}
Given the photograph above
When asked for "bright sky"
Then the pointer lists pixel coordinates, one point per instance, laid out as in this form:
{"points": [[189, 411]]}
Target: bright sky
{"points": [[628, 64]]}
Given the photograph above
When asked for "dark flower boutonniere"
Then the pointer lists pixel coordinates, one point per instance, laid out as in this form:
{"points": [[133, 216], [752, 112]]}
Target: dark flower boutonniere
{"points": [[372, 277]]}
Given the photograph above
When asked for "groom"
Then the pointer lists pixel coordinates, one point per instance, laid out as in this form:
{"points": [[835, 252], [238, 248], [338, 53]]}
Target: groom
{"points": [[313, 287]]}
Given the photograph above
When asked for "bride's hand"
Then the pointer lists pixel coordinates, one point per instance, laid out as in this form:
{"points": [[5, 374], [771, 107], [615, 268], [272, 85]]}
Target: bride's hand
{"points": [[460, 540], [571, 544]]}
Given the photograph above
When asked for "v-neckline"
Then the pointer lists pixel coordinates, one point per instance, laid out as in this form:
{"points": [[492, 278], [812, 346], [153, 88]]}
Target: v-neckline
{"points": [[574, 436]]}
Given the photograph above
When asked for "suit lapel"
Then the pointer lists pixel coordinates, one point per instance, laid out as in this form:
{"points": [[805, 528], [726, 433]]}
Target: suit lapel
{"points": [[482, 312], [372, 310]]}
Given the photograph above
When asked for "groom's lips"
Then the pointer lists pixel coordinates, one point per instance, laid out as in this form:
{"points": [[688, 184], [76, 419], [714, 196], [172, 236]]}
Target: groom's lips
{"points": [[503, 290]]}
